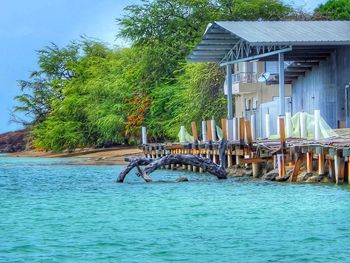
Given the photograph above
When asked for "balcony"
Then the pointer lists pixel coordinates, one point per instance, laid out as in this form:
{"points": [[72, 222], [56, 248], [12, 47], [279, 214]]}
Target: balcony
{"points": [[245, 77]]}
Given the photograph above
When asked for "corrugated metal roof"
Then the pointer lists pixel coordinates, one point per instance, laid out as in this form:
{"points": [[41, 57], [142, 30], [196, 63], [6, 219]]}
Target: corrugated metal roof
{"points": [[220, 37], [290, 32]]}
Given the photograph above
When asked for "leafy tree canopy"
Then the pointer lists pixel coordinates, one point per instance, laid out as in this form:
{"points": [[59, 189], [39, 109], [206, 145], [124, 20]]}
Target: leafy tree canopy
{"points": [[334, 10]]}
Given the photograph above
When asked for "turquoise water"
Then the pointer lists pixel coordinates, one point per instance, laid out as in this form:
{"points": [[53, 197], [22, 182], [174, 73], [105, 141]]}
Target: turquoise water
{"points": [[52, 212]]}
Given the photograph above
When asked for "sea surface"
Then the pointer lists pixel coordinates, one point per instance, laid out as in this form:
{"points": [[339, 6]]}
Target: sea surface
{"points": [[51, 211]]}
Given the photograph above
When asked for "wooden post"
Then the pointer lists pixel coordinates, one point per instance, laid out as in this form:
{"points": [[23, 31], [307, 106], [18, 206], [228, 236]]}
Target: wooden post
{"points": [[238, 157], [209, 138], [255, 168], [331, 169], [309, 157], [296, 169], [241, 130], [282, 133], [229, 157], [215, 160], [248, 131], [224, 128], [194, 131], [280, 165], [320, 164], [213, 130], [339, 166]]}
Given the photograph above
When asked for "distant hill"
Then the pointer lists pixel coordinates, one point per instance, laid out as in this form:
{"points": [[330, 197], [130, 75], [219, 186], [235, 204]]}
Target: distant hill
{"points": [[13, 141]]}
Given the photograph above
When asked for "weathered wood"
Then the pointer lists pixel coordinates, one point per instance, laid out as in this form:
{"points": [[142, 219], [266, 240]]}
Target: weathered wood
{"points": [[222, 150], [142, 174], [309, 160], [280, 164], [321, 170], [153, 164], [209, 133], [253, 160], [194, 160], [133, 163], [339, 166], [224, 128], [248, 131], [296, 169], [282, 133], [194, 131], [241, 130]]}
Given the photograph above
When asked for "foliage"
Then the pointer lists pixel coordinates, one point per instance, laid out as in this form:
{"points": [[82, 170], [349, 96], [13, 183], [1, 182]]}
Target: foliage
{"points": [[334, 10], [87, 94]]}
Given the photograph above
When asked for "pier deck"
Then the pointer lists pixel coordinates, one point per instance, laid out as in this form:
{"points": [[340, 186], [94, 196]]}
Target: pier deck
{"points": [[329, 156]]}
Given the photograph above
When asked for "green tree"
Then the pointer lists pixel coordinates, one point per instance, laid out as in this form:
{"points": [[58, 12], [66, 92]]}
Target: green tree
{"points": [[45, 85], [333, 10]]}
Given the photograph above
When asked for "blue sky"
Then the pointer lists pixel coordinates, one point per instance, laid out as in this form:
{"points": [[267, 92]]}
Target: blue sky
{"points": [[26, 26]]}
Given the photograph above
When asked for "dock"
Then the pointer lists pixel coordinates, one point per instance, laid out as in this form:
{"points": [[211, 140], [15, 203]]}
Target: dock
{"points": [[328, 157]]}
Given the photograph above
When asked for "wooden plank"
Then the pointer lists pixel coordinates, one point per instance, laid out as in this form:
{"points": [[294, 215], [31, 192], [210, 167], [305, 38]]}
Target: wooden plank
{"points": [[224, 128], [194, 131], [253, 160]]}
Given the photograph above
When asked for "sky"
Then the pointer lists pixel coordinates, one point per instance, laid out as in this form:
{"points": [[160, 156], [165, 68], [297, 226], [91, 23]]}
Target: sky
{"points": [[27, 26]]}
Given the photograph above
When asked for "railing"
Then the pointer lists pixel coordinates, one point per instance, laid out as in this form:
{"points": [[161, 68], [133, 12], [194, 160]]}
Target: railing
{"points": [[245, 77]]}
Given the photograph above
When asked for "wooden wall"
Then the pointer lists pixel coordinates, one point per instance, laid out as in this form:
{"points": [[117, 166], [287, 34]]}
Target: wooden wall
{"points": [[324, 88]]}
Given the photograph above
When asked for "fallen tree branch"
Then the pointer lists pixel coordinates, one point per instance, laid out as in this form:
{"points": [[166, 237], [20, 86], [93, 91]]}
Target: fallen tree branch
{"points": [[134, 162], [152, 165]]}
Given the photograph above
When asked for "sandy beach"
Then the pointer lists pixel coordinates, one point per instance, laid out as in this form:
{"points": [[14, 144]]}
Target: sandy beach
{"points": [[106, 156]]}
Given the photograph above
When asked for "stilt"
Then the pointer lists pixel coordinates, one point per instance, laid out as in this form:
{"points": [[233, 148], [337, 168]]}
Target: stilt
{"points": [[339, 167], [280, 165], [255, 168], [320, 164], [309, 157], [229, 158], [296, 169]]}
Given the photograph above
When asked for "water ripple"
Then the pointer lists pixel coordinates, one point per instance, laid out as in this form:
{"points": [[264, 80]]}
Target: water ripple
{"points": [[64, 213]]}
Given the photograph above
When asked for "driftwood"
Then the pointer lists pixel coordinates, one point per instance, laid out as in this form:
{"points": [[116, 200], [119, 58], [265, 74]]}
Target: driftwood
{"points": [[135, 162], [152, 165]]}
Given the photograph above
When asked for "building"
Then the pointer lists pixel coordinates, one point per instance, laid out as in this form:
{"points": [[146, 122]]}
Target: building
{"points": [[311, 60]]}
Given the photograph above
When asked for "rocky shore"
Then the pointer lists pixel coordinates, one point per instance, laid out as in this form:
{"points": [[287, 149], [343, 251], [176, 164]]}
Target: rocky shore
{"points": [[11, 142], [267, 172]]}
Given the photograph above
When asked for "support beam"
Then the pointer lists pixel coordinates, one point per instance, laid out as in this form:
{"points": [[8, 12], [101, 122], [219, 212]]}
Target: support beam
{"points": [[250, 58], [282, 107], [229, 92]]}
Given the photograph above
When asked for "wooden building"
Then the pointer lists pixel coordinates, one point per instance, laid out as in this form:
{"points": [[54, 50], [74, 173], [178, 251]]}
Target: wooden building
{"points": [[312, 57]]}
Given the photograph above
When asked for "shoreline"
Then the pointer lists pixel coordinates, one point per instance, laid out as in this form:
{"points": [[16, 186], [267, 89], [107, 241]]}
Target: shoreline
{"points": [[89, 156]]}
